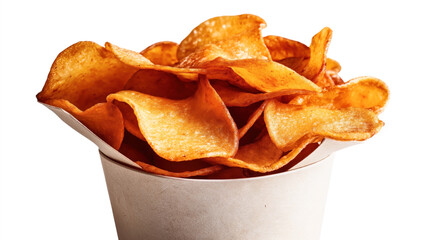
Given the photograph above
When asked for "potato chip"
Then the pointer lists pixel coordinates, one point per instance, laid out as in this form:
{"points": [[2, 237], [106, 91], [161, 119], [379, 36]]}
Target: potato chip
{"points": [[84, 74], [161, 53], [233, 96], [141, 153], [289, 124], [103, 119], [137, 60], [181, 130], [314, 70], [332, 65], [262, 156], [281, 48], [362, 92], [238, 36]]}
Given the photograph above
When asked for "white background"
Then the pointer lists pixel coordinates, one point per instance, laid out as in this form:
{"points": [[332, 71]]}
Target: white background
{"points": [[52, 184]]}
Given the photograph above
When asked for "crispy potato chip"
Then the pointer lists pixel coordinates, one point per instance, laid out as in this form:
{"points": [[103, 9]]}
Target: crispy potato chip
{"points": [[84, 74], [181, 130], [314, 70], [238, 36], [141, 153], [227, 173], [161, 53], [103, 119], [130, 121], [362, 92], [281, 48], [137, 60], [233, 96], [160, 84], [262, 156], [289, 124], [332, 65], [263, 75]]}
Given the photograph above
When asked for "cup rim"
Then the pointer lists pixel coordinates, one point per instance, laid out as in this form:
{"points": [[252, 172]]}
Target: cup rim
{"points": [[248, 179]]}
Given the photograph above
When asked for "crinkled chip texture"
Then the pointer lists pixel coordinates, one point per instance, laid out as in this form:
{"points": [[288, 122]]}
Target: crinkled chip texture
{"points": [[181, 130], [226, 102]]}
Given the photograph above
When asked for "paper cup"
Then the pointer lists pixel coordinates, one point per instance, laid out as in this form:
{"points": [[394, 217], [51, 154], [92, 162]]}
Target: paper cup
{"points": [[287, 205]]}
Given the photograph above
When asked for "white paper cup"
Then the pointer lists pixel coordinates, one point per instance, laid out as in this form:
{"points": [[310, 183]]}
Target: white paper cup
{"points": [[287, 205]]}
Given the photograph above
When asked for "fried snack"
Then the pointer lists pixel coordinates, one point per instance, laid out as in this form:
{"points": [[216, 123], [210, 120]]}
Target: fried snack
{"points": [[225, 102], [362, 92], [161, 53], [289, 124], [84, 74], [238, 37], [182, 130]]}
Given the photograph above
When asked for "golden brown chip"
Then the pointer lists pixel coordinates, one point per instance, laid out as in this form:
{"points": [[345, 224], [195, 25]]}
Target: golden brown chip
{"points": [[141, 153], [181, 130], [103, 119], [332, 65], [314, 70], [289, 124], [137, 60], [263, 75], [238, 36], [281, 48], [233, 96], [362, 92], [84, 74], [262, 156], [161, 53], [160, 84]]}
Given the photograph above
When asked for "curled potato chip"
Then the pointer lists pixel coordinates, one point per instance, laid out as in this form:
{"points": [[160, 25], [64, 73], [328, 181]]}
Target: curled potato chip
{"points": [[263, 75], [141, 153], [314, 70], [137, 60], [362, 92], [281, 48], [181, 130], [161, 53], [103, 119], [238, 36], [332, 65], [84, 74], [233, 96], [262, 156], [289, 124]]}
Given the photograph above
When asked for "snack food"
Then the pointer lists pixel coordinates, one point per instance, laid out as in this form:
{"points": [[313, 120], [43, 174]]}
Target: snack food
{"points": [[225, 97]]}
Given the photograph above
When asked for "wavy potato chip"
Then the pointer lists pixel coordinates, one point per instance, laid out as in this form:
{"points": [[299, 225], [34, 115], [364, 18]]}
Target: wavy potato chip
{"points": [[181, 130], [84, 74], [289, 124], [103, 119], [281, 48], [137, 60], [162, 53], [262, 156], [238, 36], [362, 92]]}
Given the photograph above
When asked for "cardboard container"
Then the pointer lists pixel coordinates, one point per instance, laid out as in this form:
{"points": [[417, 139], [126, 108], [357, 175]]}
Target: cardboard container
{"points": [[287, 205]]}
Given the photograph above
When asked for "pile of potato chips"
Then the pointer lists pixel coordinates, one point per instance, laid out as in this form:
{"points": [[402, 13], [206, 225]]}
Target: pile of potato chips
{"points": [[226, 102]]}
